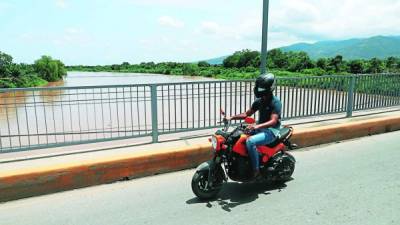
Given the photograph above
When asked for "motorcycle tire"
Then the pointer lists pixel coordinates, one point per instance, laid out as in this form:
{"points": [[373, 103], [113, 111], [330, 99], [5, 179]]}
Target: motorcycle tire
{"points": [[199, 186], [288, 166]]}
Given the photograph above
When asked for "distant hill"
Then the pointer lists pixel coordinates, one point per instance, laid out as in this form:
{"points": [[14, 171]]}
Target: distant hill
{"points": [[216, 61], [366, 48]]}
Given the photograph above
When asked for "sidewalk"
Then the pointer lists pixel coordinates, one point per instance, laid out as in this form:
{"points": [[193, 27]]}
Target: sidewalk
{"points": [[73, 155]]}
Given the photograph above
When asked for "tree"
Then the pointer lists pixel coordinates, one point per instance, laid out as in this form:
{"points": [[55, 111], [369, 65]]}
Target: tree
{"points": [[115, 67], [50, 69], [231, 61], [148, 65], [5, 59], [391, 63], [5, 63], [299, 61], [375, 66], [322, 63], [398, 63], [336, 63], [356, 67], [15, 71], [125, 65], [172, 64], [203, 64], [189, 69], [256, 62], [277, 59], [239, 59], [246, 58]]}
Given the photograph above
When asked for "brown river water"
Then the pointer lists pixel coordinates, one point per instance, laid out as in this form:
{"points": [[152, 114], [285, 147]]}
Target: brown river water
{"points": [[29, 118]]}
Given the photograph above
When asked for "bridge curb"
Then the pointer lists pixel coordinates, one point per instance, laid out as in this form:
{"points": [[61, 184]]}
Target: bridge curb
{"points": [[27, 183]]}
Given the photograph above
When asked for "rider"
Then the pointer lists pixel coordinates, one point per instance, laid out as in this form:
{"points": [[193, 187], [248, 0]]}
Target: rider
{"points": [[268, 125]]}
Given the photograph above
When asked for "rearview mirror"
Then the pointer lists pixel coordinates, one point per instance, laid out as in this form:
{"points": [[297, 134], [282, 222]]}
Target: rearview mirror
{"points": [[222, 112]]}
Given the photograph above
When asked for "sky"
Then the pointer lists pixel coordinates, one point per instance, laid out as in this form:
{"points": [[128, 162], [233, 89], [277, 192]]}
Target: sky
{"points": [[98, 32]]}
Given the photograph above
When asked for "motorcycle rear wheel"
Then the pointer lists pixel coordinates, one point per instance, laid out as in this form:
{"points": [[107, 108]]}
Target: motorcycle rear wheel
{"points": [[200, 186], [287, 169]]}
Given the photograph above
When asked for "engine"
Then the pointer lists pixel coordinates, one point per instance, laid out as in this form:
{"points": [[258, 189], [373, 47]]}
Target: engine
{"points": [[239, 167]]}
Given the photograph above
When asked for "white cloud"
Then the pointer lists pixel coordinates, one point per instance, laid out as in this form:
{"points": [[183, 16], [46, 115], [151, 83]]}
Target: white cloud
{"points": [[26, 37], [145, 42], [4, 6], [170, 22], [70, 36], [338, 19], [61, 4], [292, 21], [72, 30], [217, 31], [209, 27], [73, 36], [192, 4]]}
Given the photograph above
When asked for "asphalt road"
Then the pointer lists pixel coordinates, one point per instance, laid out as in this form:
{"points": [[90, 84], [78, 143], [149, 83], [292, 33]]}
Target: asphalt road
{"points": [[354, 182]]}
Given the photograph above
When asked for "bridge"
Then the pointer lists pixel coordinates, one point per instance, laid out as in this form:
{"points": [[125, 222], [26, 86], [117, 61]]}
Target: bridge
{"points": [[50, 119]]}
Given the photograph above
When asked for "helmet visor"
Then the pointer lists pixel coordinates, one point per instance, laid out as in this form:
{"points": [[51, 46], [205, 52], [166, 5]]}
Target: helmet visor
{"points": [[260, 89]]}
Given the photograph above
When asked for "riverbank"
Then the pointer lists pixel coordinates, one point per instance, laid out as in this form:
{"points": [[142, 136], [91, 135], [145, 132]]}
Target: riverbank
{"points": [[217, 72], [30, 80], [44, 70], [245, 64]]}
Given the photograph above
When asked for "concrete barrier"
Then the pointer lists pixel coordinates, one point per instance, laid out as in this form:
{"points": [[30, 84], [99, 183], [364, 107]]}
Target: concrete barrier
{"points": [[26, 183], [338, 132]]}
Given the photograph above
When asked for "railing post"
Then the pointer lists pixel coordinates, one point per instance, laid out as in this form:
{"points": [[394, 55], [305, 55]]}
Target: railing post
{"points": [[264, 38], [154, 119], [350, 96]]}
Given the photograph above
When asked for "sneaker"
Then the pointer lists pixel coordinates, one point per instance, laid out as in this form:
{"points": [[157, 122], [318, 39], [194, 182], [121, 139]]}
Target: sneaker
{"points": [[257, 175]]}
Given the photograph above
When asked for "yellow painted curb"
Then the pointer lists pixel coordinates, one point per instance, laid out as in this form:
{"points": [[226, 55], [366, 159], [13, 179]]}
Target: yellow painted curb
{"points": [[26, 183], [338, 132]]}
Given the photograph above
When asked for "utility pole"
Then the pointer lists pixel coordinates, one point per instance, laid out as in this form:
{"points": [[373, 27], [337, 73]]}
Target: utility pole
{"points": [[264, 37]]}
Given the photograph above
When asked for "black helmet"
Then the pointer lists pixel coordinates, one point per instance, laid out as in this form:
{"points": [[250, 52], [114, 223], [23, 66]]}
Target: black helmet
{"points": [[265, 85]]}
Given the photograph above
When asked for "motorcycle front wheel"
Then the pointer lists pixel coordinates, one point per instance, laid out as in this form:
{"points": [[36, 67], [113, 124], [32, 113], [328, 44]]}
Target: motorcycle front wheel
{"points": [[201, 187]]}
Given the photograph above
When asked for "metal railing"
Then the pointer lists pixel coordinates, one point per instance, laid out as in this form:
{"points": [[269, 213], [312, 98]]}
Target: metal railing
{"points": [[45, 117]]}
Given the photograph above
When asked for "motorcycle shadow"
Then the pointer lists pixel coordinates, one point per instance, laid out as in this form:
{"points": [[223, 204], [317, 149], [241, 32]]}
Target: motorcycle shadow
{"points": [[234, 194]]}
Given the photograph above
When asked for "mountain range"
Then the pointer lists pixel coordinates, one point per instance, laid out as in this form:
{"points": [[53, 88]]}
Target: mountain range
{"points": [[356, 48], [360, 48]]}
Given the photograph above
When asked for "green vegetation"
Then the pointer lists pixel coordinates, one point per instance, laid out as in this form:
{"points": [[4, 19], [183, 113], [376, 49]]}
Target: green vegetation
{"points": [[245, 65], [240, 65], [44, 70], [50, 69]]}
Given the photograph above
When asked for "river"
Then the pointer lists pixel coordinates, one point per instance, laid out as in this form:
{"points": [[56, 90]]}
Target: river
{"points": [[107, 78], [42, 117]]}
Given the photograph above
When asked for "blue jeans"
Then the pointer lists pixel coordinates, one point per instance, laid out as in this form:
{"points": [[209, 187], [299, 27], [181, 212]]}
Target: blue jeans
{"points": [[261, 137]]}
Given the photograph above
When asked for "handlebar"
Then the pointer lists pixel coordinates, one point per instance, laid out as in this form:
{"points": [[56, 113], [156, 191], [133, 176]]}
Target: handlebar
{"points": [[227, 124]]}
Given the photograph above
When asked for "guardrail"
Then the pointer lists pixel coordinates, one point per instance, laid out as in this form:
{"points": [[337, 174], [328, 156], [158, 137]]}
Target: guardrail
{"points": [[33, 118]]}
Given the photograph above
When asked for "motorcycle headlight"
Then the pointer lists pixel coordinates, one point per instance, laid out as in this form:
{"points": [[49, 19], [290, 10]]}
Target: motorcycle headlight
{"points": [[214, 142]]}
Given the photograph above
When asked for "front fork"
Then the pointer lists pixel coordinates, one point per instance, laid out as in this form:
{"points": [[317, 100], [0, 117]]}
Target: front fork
{"points": [[211, 167], [212, 172]]}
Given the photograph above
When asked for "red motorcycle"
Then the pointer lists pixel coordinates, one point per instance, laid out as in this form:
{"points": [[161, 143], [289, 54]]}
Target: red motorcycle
{"points": [[229, 148]]}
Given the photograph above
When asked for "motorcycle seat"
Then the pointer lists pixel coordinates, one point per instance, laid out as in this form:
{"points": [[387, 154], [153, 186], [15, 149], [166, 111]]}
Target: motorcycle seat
{"points": [[283, 134]]}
